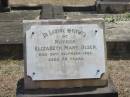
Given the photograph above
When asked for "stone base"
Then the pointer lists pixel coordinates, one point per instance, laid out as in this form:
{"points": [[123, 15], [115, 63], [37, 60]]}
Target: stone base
{"points": [[108, 91], [58, 84]]}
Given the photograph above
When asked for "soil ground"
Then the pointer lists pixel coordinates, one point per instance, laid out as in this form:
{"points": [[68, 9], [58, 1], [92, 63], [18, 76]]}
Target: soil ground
{"points": [[11, 71]]}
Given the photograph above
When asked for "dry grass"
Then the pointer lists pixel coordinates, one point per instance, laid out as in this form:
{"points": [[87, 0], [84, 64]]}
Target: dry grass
{"points": [[57, 2], [120, 73], [11, 71]]}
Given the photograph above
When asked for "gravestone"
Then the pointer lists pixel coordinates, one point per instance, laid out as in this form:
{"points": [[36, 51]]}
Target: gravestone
{"points": [[65, 56]]}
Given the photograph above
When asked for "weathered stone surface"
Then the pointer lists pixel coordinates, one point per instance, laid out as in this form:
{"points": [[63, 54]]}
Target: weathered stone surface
{"points": [[11, 26], [63, 39], [118, 32], [52, 12], [72, 45], [55, 2]]}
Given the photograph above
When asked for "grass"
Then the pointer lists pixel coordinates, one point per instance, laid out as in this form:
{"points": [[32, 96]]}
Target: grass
{"points": [[10, 72], [117, 18]]}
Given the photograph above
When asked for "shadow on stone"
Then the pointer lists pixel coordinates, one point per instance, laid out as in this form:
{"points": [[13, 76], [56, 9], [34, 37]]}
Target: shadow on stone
{"points": [[118, 50], [11, 51]]}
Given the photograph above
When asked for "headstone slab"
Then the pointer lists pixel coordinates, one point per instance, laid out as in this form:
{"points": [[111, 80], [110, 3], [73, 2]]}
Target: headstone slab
{"points": [[57, 50], [65, 50]]}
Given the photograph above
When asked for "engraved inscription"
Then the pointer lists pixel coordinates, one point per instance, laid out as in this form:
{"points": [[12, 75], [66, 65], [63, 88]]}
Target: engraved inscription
{"points": [[65, 47], [56, 52]]}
